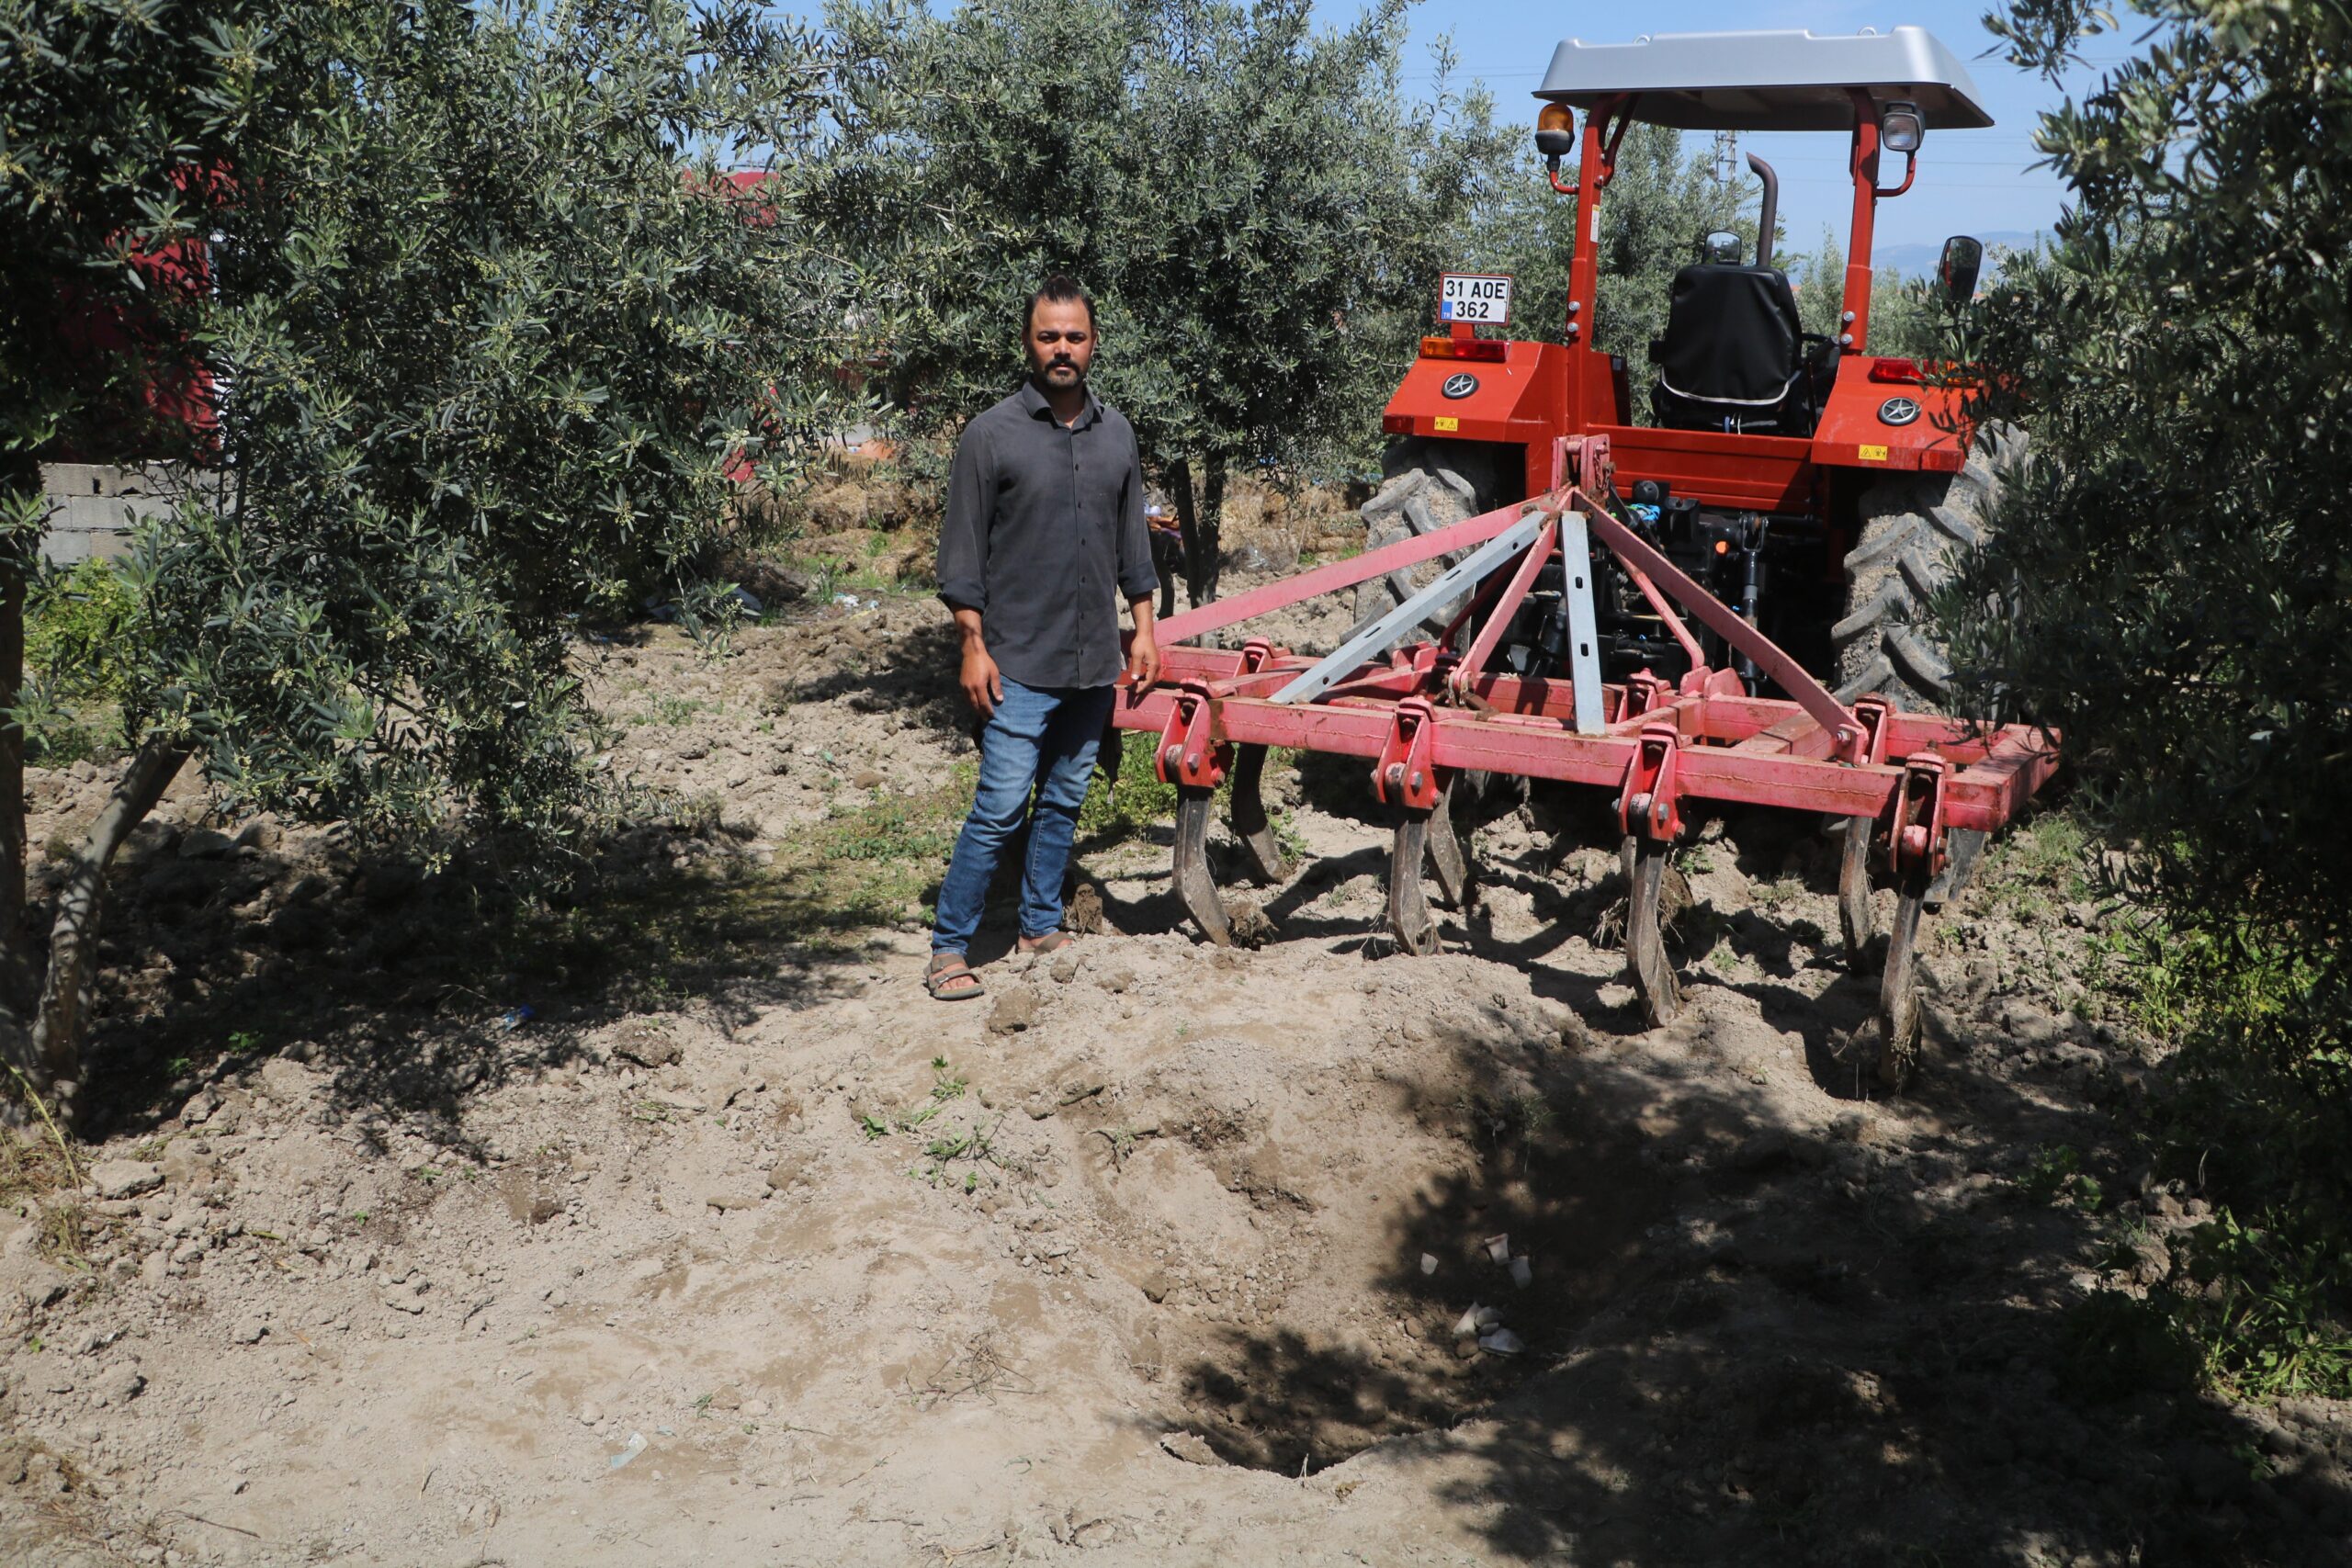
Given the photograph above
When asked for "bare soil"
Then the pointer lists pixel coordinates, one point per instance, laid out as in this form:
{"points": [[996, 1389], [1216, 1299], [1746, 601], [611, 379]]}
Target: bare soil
{"points": [[735, 1249]]}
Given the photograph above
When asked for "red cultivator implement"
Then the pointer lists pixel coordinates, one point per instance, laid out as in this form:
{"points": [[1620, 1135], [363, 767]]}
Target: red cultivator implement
{"points": [[1913, 789], [1777, 467]]}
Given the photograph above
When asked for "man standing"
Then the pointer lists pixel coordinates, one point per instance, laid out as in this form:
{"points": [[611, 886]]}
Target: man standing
{"points": [[1043, 535]]}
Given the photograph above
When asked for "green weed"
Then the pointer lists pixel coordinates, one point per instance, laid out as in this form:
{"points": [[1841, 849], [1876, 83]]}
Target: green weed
{"points": [[2054, 1174], [892, 830], [78, 626], [672, 709], [2045, 861], [2267, 1309], [1137, 800]]}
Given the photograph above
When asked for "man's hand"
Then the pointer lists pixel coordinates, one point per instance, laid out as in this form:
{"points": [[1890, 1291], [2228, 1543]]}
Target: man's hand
{"points": [[983, 687], [1143, 659], [1143, 651]]}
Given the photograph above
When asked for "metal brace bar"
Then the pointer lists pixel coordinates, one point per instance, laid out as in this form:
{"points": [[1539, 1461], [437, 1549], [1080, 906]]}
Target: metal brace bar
{"points": [[1725, 623], [1503, 611], [1584, 633], [1376, 636]]}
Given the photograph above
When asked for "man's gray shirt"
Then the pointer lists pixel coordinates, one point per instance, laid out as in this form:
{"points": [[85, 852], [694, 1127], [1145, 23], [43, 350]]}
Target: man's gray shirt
{"points": [[1044, 536]]}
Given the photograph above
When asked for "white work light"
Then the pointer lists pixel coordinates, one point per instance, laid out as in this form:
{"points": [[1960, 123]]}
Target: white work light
{"points": [[1901, 127]]}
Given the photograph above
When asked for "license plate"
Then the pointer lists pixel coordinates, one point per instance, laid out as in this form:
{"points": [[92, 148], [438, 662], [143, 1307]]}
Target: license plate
{"points": [[1481, 298]]}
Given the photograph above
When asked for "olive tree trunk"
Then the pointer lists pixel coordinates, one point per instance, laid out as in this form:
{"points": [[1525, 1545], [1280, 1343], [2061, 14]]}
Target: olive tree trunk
{"points": [[48, 1054], [1201, 522]]}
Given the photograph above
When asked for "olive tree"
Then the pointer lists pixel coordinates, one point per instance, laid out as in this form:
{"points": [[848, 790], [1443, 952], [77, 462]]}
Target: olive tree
{"points": [[1257, 209], [1908, 315], [116, 115], [494, 326], [2173, 588]]}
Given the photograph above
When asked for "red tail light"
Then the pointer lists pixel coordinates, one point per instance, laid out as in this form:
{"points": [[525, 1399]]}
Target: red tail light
{"points": [[1908, 370], [1486, 348]]}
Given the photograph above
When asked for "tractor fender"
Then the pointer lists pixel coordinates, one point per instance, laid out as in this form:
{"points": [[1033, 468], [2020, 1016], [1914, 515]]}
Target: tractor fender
{"points": [[1881, 416], [1514, 399]]}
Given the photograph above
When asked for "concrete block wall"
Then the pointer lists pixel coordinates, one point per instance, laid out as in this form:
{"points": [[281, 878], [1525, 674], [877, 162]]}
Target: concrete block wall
{"points": [[95, 505]]}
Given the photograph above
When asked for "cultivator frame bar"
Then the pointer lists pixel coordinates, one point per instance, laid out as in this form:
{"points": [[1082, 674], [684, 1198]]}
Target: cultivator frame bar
{"points": [[1915, 790]]}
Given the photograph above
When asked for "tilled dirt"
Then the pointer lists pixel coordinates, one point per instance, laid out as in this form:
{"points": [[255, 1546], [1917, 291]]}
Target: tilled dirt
{"points": [[1160, 1253]]}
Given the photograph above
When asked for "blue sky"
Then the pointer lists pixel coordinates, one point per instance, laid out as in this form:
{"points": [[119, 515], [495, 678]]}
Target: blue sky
{"points": [[1971, 182]]}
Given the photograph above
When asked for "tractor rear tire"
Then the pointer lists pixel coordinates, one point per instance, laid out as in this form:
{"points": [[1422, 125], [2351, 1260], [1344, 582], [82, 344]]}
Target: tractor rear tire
{"points": [[1425, 485], [1913, 526]]}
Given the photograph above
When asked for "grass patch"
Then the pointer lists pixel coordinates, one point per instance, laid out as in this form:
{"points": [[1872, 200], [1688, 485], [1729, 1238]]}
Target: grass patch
{"points": [[1142, 801], [876, 858], [31, 1170], [1139, 800], [2045, 862], [2254, 1113], [77, 628], [673, 710]]}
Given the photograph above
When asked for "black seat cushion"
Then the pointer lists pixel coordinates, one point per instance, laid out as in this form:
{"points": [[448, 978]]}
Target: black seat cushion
{"points": [[1732, 355]]}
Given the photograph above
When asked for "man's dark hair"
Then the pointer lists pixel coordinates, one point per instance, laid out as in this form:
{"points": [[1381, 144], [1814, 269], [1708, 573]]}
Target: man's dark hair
{"points": [[1060, 289]]}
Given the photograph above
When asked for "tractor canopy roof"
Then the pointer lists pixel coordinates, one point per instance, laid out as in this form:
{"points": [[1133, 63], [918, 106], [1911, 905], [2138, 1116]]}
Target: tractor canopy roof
{"points": [[1766, 80]]}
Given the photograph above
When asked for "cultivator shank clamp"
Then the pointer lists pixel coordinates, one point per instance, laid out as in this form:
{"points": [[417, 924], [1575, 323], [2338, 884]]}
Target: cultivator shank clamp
{"points": [[1648, 804], [1916, 844], [1916, 792], [1190, 755], [1404, 775]]}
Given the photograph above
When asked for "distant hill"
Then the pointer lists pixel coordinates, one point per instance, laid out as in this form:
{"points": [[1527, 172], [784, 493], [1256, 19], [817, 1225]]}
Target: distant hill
{"points": [[1919, 260]]}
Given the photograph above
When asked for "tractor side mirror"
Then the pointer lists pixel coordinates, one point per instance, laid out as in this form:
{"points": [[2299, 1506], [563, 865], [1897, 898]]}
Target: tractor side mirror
{"points": [[1720, 248], [1963, 258]]}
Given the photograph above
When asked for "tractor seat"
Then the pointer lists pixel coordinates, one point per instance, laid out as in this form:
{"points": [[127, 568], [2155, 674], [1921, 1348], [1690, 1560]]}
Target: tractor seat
{"points": [[1734, 355]]}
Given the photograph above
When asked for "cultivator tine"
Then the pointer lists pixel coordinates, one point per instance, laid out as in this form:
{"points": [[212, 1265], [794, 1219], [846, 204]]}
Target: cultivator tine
{"points": [[1963, 845], [1645, 959], [1249, 823], [1446, 859], [1194, 884], [1408, 906], [1898, 993], [1854, 912]]}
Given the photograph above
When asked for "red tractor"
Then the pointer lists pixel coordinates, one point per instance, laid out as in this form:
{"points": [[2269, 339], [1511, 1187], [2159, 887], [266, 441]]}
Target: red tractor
{"points": [[1811, 483], [1666, 616]]}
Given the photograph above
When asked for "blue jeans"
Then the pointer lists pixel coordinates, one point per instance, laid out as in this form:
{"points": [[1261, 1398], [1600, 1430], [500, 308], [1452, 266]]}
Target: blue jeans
{"points": [[1039, 743]]}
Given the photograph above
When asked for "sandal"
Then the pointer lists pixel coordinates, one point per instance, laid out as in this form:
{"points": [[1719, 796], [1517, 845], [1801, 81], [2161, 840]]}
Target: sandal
{"points": [[941, 979], [1051, 941]]}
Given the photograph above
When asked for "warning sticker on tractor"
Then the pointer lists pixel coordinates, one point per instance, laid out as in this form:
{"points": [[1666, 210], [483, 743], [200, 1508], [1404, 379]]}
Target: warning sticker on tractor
{"points": [[1446, 423], [1474, 297], [1872, 455]]}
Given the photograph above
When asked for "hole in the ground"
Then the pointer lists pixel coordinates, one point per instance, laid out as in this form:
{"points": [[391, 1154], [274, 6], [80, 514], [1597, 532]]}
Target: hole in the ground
{"points": [[1335, 1370]]}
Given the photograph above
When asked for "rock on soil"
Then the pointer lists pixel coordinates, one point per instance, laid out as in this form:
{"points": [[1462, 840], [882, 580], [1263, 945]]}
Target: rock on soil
{"points": [[124, 1178], [1014, 1010]]}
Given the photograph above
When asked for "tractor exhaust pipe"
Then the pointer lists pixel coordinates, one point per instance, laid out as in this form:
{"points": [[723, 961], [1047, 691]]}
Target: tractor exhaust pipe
{"points": [[1765, 219]]}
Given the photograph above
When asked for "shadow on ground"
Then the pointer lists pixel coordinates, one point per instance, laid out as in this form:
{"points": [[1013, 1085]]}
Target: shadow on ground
{"points": [[1866, 1340], [1760, 1343], [415, 991]]}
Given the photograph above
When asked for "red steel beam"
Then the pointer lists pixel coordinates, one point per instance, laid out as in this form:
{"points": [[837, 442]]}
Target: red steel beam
{"points": [[1219, 613], [1984, 795]]}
